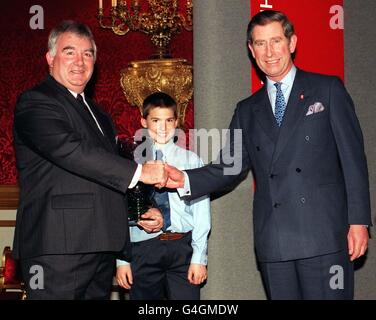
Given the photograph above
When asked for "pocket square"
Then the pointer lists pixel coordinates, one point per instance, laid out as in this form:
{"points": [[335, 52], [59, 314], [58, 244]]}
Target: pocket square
{"points": [[315, 108]]}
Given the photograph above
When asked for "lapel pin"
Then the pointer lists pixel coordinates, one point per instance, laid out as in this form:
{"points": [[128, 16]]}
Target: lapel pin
{"points": [[301, 97]]}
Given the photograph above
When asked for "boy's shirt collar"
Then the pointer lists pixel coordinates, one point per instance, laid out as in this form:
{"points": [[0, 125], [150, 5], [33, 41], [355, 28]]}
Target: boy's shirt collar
{"points": [[164, 147]]}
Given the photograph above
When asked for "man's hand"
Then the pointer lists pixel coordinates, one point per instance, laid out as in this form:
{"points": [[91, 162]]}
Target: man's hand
{"points": [[197, 273], [152, 220], [175, 177], [357, 240], [124, 276], [153, 172]]}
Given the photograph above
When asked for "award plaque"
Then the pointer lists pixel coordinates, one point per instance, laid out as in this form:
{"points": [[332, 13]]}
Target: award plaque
{"points": [[139, 197]]}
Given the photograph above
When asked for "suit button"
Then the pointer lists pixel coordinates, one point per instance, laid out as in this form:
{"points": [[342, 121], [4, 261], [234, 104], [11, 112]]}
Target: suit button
{"points": [[272, 176], [258, 148], [276, 205], [306, 138], [302, 200], [298, 170]]}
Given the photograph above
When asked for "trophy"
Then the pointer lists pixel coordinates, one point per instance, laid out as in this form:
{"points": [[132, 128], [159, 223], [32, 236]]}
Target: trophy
{"points": [[139, 197]]}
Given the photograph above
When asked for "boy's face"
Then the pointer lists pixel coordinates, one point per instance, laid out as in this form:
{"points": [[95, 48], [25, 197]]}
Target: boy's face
{"points": [[161, 124]]}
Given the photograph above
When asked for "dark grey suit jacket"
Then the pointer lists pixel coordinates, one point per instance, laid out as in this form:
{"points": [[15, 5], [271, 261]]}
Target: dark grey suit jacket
{"points": [[311, 174], [72, 181]]}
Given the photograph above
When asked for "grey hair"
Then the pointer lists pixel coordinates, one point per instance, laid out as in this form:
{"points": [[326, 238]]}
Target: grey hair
{"points": [[77, 28]]}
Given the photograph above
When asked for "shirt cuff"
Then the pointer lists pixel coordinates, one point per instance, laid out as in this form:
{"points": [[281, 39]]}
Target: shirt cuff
{"points": [[199, 258], [121, 263], [136, 176], [186, 190]]}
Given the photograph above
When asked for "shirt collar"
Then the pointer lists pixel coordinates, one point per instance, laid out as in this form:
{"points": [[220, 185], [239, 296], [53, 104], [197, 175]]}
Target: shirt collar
{"points": [[287, 81], [164, 147], [75, 94]]}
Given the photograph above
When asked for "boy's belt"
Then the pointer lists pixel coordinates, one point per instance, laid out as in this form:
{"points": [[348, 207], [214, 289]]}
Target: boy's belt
{"points": [[171, 235]]}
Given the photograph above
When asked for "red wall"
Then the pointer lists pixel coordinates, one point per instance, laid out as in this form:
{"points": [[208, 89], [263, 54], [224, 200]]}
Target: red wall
{"points": [[22, 64]]}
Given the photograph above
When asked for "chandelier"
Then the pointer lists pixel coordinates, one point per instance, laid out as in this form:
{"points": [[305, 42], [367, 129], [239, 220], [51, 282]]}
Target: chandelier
{"points": [[161, 23], [161, 72]]}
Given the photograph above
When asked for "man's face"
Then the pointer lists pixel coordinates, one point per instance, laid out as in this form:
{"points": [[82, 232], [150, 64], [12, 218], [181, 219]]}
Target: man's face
{"points": [[161, 124], [272, 50], [73, 63]]}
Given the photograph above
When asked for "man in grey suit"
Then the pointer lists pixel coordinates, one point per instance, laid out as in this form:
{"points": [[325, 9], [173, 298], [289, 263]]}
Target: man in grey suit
{"points": [[72, 217], [302, 141]]}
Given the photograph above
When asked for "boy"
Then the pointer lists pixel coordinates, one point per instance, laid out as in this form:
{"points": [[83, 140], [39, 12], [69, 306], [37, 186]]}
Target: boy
{"points": [[172, 263]]}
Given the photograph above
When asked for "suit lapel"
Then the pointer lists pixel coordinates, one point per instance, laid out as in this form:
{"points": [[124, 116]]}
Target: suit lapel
{"points": [[294, 111], [264, 115], [104, 123], [73, 103]]}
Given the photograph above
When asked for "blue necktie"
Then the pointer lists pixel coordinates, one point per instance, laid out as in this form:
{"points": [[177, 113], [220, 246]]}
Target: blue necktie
{"points": [[161, 199], [280, 104]]}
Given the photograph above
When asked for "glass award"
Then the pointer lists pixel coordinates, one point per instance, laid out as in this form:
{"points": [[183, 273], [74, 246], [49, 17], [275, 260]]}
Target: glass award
{"points": [[139, 197]]}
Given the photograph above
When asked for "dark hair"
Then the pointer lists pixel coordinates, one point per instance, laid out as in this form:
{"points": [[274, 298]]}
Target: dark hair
{"points": [[79, 29], [268, 16], [158, 100]]}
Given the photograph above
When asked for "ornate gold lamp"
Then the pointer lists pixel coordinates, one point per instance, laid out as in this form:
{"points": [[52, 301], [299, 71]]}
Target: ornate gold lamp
{"points": [[161, 72]]}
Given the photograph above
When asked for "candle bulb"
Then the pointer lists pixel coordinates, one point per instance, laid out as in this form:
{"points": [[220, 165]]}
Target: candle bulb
{"points": [[100, 4]]}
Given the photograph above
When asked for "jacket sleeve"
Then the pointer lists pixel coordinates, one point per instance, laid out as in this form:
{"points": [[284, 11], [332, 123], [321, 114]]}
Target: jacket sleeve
{"points": [[230, 167], [42, 125], [349, 141]]}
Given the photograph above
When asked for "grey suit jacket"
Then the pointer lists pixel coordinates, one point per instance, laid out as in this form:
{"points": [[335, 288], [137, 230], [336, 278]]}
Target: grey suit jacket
{"points": [[311, 173], [72, 181]]}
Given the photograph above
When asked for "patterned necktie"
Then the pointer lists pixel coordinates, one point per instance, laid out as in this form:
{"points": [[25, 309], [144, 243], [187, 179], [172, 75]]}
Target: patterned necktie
{"points": [[161, 198], [280, 104]]}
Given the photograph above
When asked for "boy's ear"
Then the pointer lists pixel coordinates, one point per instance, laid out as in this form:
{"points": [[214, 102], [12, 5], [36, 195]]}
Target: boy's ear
{"points": [[143, 123]]}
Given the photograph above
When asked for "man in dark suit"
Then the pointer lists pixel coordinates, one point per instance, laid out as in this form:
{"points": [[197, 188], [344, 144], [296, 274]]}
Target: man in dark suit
{"points": [[302, 140], [72, 216]]}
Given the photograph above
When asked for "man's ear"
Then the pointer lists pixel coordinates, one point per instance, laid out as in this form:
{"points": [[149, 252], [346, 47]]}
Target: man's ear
{"points": [[251, 49], [50, 59], [143, 123], [293, 42]]}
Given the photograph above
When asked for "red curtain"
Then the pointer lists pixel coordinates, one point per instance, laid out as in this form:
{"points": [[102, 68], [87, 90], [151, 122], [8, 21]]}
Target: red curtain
{"points": [[23, 64]]}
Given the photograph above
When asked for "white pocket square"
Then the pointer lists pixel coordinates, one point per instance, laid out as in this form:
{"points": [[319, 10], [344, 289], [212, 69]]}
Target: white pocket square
{"points": [[315, 108]]}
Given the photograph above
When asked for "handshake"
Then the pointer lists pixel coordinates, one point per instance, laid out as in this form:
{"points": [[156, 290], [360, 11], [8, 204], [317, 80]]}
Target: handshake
{"points": [[161, 175]]}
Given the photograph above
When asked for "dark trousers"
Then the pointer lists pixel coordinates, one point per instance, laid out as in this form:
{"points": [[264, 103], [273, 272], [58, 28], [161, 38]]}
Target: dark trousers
{"points": [[160, 269], [326, 277], [69, 277]]}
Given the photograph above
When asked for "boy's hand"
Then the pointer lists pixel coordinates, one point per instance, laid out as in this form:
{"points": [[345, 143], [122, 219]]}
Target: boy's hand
{"points": [[124, 276], [151, 220], [197, 273]]}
